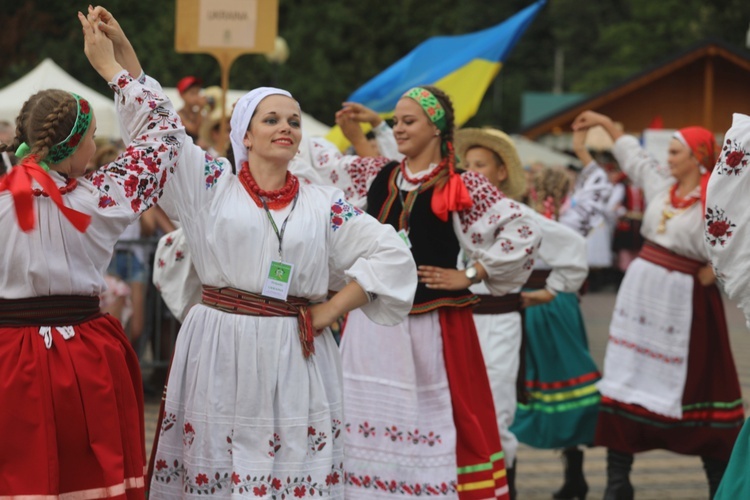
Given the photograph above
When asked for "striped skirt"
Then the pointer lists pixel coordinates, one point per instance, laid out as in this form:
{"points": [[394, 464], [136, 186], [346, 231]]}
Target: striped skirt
{"points": [[562, 400]]}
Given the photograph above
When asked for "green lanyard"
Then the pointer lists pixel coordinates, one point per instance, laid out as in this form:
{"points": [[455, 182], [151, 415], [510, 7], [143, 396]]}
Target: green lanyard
{"points": [[279, 235]]}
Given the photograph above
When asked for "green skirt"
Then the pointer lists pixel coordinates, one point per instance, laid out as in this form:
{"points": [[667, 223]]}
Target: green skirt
{"points": [[736, 481], [561, 376]]}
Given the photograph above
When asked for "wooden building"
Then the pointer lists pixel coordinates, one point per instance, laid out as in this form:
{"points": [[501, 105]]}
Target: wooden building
{"points": [[701, 86]]}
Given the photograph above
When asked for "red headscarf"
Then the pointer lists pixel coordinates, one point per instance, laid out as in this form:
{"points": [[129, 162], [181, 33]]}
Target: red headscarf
{"points": [[702, 143]]}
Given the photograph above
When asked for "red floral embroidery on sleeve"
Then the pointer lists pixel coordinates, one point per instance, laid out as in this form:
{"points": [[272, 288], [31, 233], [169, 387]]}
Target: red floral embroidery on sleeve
{"points": [[140, 171], [733, 159], [362, 170], [341, 212], [719, 229], [484, 195]]}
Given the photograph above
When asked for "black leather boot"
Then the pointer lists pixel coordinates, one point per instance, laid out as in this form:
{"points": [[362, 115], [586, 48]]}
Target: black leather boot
{"points": [[618, 476], [511, 476], [575, 486], [714, 472]]}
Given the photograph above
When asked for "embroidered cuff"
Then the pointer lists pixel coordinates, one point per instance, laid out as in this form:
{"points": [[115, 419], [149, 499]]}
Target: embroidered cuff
{"points": [[120, 81]]}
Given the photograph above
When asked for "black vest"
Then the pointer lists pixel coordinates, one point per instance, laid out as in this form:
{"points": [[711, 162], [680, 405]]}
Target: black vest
{"points": [[433, 241]]}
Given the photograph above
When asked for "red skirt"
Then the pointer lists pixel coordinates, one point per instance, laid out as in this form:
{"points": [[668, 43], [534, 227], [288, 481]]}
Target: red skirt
{"points": [[71, 414], [481, 463], [712, 400]]}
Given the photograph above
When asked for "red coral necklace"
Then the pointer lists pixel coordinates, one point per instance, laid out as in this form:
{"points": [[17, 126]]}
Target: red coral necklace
{"points": [[276, 199], [674, 205], [70, 185], [422, 180]]}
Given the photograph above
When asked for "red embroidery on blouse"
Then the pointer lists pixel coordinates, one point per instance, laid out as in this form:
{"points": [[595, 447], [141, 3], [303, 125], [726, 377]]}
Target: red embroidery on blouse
{"points": [[139, 170], [362, 170], [484, 195]]}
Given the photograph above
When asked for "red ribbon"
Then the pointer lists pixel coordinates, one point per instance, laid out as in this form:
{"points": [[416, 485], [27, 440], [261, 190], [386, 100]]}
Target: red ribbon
{"points": [[453, 197], [19, 182]]}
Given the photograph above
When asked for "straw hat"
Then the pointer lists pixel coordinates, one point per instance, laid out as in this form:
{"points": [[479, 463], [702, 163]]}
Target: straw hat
{"points": [[500, 143]]}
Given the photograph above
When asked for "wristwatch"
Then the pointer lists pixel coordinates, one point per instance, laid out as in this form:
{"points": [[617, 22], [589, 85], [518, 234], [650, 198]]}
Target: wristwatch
{"points": [[472, 274]]}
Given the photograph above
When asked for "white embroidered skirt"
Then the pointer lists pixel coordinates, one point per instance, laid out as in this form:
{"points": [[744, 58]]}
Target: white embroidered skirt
{"points": [[246, 414]]}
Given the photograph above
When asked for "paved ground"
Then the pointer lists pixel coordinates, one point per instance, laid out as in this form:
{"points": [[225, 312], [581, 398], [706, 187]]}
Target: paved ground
{"points": [[656, 475]]}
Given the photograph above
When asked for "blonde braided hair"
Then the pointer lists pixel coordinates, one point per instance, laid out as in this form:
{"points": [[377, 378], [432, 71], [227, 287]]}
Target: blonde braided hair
{"points": [[551, 186], [45, 120]]}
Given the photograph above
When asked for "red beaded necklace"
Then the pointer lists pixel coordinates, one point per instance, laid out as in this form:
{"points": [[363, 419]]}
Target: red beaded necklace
{"points": [[70, 185], [678, 202], [422, 180], [276, 199]]}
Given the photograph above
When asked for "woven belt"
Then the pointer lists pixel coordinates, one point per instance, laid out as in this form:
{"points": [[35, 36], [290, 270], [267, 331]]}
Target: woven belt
{"points": [[504, 304], [235, 301], [669, 260], [52, 310], [537, 280]]}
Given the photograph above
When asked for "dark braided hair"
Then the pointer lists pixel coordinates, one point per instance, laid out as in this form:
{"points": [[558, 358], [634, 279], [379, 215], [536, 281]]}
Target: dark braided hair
{"points": [[446, 136], [450, 115], [45, 120]]}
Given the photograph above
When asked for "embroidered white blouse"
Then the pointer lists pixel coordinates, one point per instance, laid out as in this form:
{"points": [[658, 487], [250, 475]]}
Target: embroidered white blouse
{"points": [[588, 202], [329, 241], [495, 231], [56, 259], [684, 231], [727, 227]]}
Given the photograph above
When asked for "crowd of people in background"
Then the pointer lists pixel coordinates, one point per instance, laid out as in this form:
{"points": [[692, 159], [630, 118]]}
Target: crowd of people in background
{"points": [[393, 320]]}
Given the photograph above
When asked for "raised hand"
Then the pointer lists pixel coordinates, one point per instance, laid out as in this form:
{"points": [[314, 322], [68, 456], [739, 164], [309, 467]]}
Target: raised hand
{"points": [[124, 53], [99, 50], [361, 113], [589, 119], [349, 126]]}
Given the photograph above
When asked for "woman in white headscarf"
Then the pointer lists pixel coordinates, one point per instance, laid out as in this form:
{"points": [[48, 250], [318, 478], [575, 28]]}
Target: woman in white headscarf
{"points": [[253, 400]]}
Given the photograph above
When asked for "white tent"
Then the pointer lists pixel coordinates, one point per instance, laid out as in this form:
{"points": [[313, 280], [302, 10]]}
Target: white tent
{"points": [[48, 75], [310, 126], [532, 152]]}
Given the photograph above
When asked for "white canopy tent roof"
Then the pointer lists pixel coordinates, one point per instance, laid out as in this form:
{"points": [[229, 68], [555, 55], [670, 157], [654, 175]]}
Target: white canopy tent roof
{"points": [[310, 126], [48, 75], [533, 152]]}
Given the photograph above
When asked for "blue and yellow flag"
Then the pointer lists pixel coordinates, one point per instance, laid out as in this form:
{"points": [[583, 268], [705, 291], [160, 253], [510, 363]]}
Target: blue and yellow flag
{"points": [[463, 66]]}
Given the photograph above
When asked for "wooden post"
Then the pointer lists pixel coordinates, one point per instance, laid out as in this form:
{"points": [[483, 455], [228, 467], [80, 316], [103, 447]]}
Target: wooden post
{"points": [[708, 93], [221, 28], [225, 61]]}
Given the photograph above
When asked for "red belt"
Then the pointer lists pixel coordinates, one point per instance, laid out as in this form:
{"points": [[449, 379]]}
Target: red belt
{"points": [[504, 304], [235, 301], [667, 259]]}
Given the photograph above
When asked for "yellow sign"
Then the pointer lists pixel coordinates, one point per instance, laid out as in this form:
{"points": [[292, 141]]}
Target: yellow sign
{"points": [[226, 29], [235, 26]]}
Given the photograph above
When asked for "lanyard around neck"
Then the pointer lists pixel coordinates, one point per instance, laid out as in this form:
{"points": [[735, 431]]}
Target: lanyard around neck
{"points": [[279, 234]]}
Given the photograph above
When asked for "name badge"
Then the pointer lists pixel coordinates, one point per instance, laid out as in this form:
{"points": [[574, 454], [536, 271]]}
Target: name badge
{"points": [[404, 237], [278, 280]]}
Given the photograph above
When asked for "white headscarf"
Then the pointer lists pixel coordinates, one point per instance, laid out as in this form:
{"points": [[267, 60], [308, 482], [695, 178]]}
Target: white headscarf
{"points": [[243, 112]]}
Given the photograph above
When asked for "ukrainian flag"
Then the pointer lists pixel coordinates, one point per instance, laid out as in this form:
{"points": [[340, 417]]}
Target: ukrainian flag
{"points": [[463, 66]]}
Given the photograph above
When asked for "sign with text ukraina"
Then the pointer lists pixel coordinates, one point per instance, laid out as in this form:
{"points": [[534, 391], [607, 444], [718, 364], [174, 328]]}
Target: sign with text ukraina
{"points": [[240, 26], [227, 23]]}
